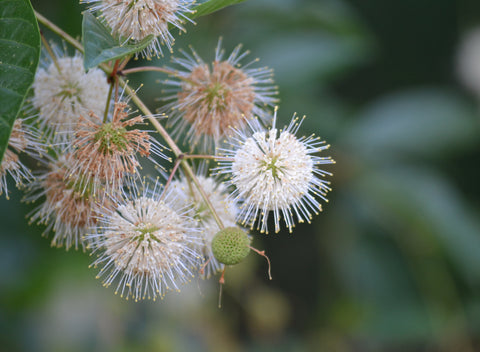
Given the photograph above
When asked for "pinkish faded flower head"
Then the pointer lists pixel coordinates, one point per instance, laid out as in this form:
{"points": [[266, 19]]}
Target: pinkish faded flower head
{"points": [[107, 152], [69, 209], [208, 100]]}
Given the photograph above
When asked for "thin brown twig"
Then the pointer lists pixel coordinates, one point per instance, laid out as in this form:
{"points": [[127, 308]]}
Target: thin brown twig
{"points": [[262, 253], [147, 69]]}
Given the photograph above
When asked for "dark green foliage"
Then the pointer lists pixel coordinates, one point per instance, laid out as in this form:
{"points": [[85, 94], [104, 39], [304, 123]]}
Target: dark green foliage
{"points": [[19, 54]]}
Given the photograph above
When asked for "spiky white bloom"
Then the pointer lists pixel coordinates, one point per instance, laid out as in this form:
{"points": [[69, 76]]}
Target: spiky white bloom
{"points": [[69, 208], [209, 100], [62, 91], [225, 208], [108, 153], [134, 20], [147, 244], [23, 139], [274, 171]]}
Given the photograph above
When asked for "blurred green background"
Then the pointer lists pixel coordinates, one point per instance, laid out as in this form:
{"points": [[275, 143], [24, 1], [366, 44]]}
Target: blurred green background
{"points": [[393, 262]]}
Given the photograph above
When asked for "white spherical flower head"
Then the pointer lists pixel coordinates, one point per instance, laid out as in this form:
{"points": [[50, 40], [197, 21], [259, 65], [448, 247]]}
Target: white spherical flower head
{"points": [[274, 171], [62, 90], [147, 246], [134, 20], [226, 209]]}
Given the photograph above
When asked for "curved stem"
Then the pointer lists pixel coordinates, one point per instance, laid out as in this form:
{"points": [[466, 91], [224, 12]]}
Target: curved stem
{"points": [[50, 52], [114, 78], [145, 110], [147, 69], [158, 69], [199, 156], [75, 43], [190, 173], [262, 253], [170, 178]]}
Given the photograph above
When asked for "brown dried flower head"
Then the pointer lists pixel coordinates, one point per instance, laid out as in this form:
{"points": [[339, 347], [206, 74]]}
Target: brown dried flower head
{"points": [[70, 208], [107, 152]]}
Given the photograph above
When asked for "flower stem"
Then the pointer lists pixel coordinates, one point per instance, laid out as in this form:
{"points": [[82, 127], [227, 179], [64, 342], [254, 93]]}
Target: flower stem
{"points": [[170, 178], [114, 78], [189, 172], [157, 69], [75, 43], [262, 253], [50, 52], [107, 105], [199, 156], [148, 68]]}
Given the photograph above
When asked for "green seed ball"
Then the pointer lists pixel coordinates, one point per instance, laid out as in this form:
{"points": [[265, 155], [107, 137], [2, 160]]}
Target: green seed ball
{"points": [[231, 245]]}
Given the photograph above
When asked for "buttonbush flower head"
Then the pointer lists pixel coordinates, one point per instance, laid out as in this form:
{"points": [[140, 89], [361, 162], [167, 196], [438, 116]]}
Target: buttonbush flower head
{"points": [[134, 20], [274, 171], [146, 243], [208, 100], [69, 208], [23, 139], [225, 208], [107, 152], [62, 91]]}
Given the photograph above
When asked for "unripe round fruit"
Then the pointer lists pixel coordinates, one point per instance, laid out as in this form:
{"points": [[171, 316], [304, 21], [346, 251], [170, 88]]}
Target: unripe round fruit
{"points": [[230, 245]]}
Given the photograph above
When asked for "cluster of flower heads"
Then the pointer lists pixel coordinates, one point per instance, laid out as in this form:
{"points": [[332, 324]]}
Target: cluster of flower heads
{"points": [[152, 238], [93, 153]]}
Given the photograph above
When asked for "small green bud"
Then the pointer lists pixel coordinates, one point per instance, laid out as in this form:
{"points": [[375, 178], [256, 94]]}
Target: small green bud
{"points": [[231, 245]]}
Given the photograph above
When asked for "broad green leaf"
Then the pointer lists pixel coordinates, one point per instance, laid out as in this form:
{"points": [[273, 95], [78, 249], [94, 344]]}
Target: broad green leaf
{"points": [[212, 6], [100, 46], [19, 55]]}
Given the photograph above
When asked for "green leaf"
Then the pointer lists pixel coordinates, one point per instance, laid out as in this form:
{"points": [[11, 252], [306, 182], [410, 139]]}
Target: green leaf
{"points": [[100, 46], [212, 6], [19, 55]]}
